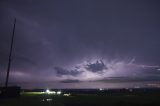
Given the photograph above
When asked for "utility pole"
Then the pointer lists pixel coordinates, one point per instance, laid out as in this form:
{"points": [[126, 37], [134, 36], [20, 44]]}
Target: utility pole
{"points": [[10, 54]]}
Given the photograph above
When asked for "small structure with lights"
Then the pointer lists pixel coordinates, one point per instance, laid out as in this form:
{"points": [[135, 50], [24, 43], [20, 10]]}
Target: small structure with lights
{"points": [[66, 94], [53, 92], [50, 92], [101, 89], [59, 92]]}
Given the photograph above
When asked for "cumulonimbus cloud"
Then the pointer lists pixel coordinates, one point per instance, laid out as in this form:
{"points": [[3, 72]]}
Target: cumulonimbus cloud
{"points": [[99, 70]]}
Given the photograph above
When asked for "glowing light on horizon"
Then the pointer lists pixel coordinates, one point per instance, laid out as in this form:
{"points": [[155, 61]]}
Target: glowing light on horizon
{"points": [[59, 92], [50, 92], [66, 94]]}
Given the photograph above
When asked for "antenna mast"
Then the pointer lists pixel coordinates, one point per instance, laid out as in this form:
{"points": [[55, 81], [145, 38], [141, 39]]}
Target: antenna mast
{"points": [[10, 54]]}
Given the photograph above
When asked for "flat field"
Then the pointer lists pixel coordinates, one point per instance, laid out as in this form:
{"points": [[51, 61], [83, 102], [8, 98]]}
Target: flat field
{"points": [[41, 99]]}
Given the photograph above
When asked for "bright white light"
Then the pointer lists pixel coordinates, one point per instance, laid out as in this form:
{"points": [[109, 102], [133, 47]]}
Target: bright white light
{"points": [[67, 94], [101, 89], [48, 91], [59, 92]]}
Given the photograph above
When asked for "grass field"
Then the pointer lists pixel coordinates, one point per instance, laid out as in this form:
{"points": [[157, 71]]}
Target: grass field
{"points": [[43, 99]]}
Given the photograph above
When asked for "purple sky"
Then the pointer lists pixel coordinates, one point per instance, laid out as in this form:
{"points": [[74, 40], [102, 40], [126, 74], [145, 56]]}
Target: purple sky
{"points": [[76, 41]]}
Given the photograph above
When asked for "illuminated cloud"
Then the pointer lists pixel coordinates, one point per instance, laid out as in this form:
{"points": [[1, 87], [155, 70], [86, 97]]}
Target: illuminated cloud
{"points": [[101, 70], [98, 66]]}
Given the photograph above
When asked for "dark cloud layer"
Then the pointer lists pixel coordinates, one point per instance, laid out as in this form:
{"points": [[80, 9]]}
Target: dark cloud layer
{"points": [[69, 81], [60, 71]]}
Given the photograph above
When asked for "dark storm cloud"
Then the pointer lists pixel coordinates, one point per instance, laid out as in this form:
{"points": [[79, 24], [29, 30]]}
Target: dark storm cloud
{"points": [[60, 71], [98, 66], [24, 59], [68, 32], [73, 29], [150, 71]]}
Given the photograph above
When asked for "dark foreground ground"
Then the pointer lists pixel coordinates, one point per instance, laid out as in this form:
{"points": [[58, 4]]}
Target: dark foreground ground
{"points": [[38, 99]]}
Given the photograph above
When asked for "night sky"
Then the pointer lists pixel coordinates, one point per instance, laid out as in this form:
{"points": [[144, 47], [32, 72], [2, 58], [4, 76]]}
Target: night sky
{"points": [[80, 43]]}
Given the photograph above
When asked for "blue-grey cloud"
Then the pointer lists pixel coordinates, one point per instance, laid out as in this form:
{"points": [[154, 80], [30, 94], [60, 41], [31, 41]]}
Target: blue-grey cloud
{"points": [[61, 71], [96, 67]]}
